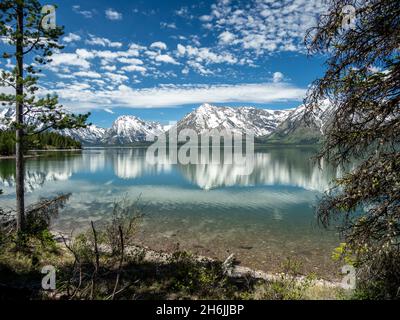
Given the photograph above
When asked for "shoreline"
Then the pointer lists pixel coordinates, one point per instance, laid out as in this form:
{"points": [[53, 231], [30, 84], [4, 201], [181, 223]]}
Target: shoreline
{"points": [[13, 157], [30, 156], [235, 271]]}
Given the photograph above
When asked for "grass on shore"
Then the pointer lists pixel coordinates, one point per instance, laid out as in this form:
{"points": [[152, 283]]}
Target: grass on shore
{"points": [[83, 274], [104, 263]]}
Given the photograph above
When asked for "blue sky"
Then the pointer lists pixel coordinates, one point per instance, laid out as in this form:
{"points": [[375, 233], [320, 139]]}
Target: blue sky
{"points": [[159, 59]]}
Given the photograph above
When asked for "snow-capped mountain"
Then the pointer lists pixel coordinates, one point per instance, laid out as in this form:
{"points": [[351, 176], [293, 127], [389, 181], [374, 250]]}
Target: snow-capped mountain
{"points": [[288, 126], [299, 128], [8, 115], [90, 135], [4, 115], [261, 122], [129, 129], [126, 129]]}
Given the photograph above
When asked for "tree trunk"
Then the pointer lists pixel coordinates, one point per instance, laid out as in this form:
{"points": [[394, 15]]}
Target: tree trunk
{"points": [[19, 108]]}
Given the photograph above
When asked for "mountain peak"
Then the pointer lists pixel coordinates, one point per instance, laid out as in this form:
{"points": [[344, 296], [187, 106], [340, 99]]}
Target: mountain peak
{"points": [[276, 124], [206, 107], [128, 118], [129, 129], [248, 119]]}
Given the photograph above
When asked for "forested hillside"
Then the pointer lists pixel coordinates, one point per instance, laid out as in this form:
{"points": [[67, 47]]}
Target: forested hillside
{"points": [[43, 141]]}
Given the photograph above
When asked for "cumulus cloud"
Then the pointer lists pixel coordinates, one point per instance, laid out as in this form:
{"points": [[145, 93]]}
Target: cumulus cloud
{"points": [[181, 49], [264, 26], [226, 37], [112, 14], [115, 77], [87, 74], [88, 14], [133, 61], [69, 59], [134, 68], [71, 37], [165, 58], [206, 55], [199, 68], [103, 42], [166, 25], [184, 12], [206, 18], [109, 68], [158, 45], [277, 77]]}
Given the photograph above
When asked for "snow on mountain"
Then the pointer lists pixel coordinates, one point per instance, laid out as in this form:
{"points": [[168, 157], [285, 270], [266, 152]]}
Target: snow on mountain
{"points": [[275, 125], [91, 134], [4, 115], [126, 129], [259, 121], [8, 115], [129, 129], [297, 128]]}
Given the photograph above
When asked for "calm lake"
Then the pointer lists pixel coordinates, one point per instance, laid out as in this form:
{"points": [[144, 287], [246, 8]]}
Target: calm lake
{"points": [[209, 209]]}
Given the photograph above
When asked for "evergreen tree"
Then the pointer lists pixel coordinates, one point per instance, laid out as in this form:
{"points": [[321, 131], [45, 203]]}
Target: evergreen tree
{"points": [[363, 82], [22, 24]]}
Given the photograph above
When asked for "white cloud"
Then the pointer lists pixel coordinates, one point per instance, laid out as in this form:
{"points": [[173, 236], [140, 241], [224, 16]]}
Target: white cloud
{"points": [[109, 110], [181, 49], [85, 54], [166, 25], [206, 55], [170, 96], [71, 37], [112, 14], [199, 68], [206, 18], [158, 45], [185, 70], [264, 26], [134, 47], [133, 61], [166, 59], [134, 68], [88, 14], [69, 59], [109, 68], [103, 42], [115, 77], [184, 12], [226, 37], [278, 77], [88, 74]]}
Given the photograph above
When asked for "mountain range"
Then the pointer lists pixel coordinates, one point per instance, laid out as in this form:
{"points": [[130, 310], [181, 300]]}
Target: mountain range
{"points": [[275, 126], [261, 122]]}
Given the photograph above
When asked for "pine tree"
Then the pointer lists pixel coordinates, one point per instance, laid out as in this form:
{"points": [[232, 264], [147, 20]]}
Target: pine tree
{"points": [[22, 24], [362, 82]]}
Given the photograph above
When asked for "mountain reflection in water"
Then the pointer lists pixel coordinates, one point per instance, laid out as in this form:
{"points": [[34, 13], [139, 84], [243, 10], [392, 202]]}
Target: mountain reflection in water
{"points": [[208, 208]]}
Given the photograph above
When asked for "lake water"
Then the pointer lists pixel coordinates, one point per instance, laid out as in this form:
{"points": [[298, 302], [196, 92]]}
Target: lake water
{"points": [[209, 209]]}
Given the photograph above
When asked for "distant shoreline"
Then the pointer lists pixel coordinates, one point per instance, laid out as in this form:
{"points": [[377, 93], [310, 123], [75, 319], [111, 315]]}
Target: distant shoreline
{"points": [[141, 146], [256, 145], [30, 156]]}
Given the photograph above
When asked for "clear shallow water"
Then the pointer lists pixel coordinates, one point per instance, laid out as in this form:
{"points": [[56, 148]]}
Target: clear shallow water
{"points": [[209, 209]]}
